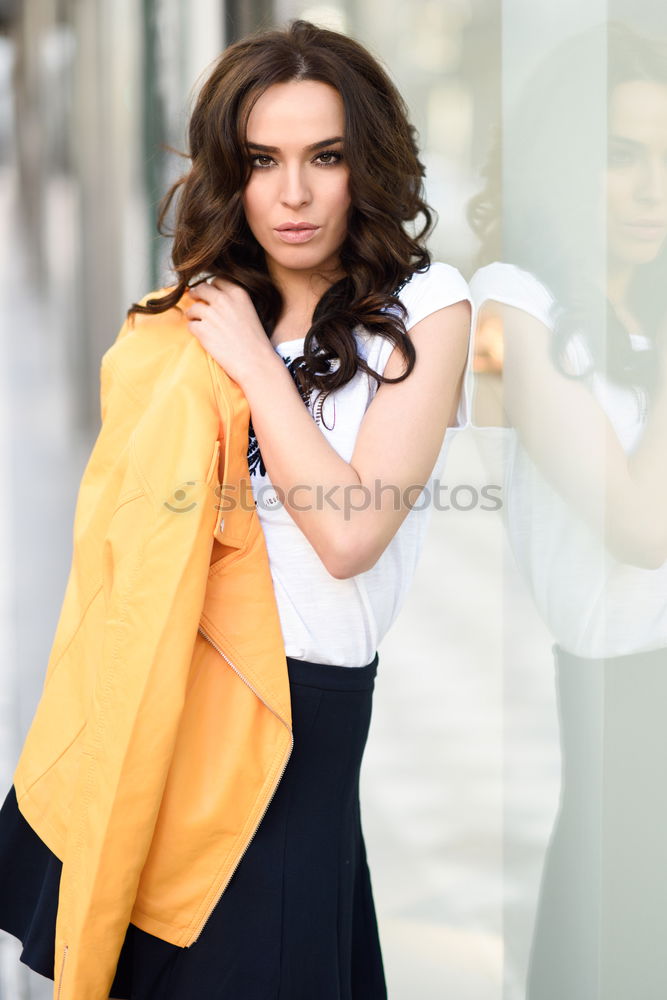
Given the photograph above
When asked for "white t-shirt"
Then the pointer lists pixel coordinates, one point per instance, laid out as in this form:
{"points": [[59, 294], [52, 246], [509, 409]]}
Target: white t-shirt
{"points": [[594, 605], [323, 619]]}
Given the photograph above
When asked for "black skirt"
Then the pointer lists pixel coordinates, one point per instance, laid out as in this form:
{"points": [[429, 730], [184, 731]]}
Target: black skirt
{"points": [[296, 921]]}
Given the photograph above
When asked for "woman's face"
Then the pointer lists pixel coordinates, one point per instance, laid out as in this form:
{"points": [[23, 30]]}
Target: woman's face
{"points": [[637, 172], [298, 176]]}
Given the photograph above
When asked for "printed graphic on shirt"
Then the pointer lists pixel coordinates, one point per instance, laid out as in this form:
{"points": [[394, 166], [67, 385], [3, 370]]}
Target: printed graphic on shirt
{"points": [[255, 461]]}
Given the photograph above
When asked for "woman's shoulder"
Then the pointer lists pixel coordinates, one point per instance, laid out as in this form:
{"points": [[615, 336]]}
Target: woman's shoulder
{"points": [[438, 276], [437, 286], [513, 286]]}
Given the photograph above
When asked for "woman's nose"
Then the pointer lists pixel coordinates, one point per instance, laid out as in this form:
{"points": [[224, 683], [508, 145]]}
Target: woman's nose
{"points": [[653, 182], [295, 191]]}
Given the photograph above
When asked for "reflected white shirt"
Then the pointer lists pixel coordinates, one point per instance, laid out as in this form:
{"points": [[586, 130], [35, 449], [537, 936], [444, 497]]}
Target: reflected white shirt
{"points": [[594, 605]]}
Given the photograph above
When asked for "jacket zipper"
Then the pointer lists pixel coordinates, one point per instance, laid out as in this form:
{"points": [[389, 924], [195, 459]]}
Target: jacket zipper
{"points": [[273, 792], [62, 969]]}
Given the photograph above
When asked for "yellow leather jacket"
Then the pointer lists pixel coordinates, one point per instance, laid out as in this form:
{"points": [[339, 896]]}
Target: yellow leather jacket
{"points": [[164, 724]]}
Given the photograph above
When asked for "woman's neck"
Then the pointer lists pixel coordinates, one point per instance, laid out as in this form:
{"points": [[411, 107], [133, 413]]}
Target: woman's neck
{"points": [[618, 282], [300, 291]]}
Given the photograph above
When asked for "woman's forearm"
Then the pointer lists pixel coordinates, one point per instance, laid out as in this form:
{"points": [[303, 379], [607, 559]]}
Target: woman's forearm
{"points": [[310, 477], [647, 467]]}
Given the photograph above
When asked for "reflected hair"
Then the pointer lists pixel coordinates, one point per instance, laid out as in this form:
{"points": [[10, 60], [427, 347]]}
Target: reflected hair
{"points": [[211, 237], [544, 170]]}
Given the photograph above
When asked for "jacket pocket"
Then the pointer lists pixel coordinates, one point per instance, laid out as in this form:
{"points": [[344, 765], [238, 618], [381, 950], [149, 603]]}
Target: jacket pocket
{"points": [[224, 557], [234, 518]]}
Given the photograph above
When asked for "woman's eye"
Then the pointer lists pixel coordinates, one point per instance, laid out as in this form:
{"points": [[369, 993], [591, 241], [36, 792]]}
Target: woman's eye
{"points": [[337, 157], [329, 158], [261, 156], [620, 157]]}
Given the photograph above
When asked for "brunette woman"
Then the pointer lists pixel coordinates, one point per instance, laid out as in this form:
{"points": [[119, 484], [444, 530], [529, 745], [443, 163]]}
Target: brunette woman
{"points": [[350, 346]]}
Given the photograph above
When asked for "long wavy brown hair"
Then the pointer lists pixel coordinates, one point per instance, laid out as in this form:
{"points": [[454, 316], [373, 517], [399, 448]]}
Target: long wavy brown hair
{"points": [[211, 236]]}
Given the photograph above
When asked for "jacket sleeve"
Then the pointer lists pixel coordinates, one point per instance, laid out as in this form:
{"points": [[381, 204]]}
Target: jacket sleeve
{"points": [[156, 555]]}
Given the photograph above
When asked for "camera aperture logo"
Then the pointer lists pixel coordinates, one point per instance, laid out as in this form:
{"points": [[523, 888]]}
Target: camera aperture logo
{"points": [[180, 496]]}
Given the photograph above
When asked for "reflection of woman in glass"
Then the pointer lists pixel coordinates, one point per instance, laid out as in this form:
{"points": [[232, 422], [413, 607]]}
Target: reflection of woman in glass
{"points": [[305, 180], [582, 301]]}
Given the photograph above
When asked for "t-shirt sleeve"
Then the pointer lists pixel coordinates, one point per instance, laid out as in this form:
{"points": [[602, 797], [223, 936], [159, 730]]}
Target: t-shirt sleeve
{"points": [[426, 292], [513, 286]]}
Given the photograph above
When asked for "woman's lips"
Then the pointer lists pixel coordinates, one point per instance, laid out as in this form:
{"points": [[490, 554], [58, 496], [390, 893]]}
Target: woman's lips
{"points": [[644, 231], [297, 235]]}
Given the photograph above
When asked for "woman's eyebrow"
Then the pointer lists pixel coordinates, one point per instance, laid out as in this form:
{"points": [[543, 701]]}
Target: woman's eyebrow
{"points": [[309, 149], [624, 139]]}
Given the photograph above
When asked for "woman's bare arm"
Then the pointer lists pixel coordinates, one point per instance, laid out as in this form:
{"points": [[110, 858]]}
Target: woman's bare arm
{"points": [[349, 511], [572, 441]]}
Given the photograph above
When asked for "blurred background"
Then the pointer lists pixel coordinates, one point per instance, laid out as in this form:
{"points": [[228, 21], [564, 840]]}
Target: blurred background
{"points": [[461, 775]]}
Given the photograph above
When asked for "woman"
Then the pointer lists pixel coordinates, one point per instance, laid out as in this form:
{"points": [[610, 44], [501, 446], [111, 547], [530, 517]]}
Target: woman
{"points": [[296, 212], [581, 300]]}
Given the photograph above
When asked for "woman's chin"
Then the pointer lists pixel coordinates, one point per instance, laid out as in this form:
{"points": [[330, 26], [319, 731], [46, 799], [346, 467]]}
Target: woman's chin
{"points": [[635, 255], [300, 259]]}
